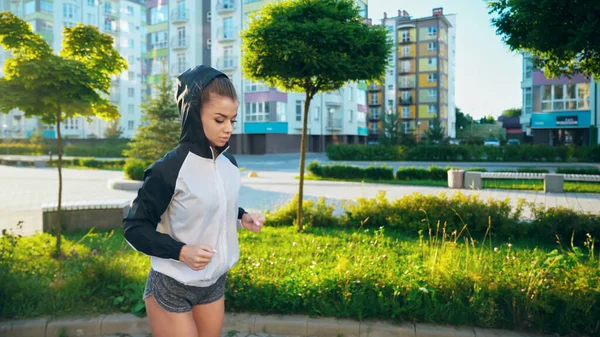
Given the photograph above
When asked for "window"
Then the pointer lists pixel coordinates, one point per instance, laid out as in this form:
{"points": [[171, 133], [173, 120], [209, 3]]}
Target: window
{"points": [[374, 113], [432, 78], [29, 7], [228, 28], [405, 112], [181, 63], [257, 112], [317, 114], [130, 125], [130, 27], [131, 108], [432, 30], [374, 98], [373, 128], [351, 93], [299, 111], [131, 43], [281, 112], [158, 14], [528, 101], [405, 66], [405, 51], [130, 92], [431, 46], [406, 126], [390, 103], [432, 93], [564, 97], [405, 36], [68, 24], [432, 108], [131, 76], [91, 20], [91, 3], [351, 116], [47, 6], [129, 10], [69, 11], [255, 86], [158, 40], [432, 62], [228, 4]]}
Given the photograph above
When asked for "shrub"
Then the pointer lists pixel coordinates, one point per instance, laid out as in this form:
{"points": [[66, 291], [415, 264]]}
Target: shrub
{"points": [[531, 170], [313, 213], [566, 223], [134, 169], [587, 170], [364, 152], [432, 173], [351, 172]]}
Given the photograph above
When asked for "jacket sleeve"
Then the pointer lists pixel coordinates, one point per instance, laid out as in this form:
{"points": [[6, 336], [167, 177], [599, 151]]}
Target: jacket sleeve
{"points": [[144, 215], [241, 213]]}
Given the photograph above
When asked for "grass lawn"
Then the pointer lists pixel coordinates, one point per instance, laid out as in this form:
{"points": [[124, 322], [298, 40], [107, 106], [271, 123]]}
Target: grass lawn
{"points": [[504, 184], [538, 185], [354, 273]]}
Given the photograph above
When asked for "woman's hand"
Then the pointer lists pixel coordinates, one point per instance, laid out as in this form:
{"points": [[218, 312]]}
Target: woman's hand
{"points": [[253, 221], [196, 256]]}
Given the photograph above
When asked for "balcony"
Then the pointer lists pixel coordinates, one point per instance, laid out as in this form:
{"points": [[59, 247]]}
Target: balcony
{"points": [[374, 87], [224, 35], [226, 6], [407, 101], [407, 85], [111, 12], [180, 43], [334, 123], [403, 55], [403, 71], [115, 97], [180, 16], [227, 63], [159, 45]]}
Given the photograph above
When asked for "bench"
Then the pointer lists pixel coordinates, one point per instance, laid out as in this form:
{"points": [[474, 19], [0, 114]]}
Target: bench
{"points": [[23, 162], [553, 183], [84, 215]]}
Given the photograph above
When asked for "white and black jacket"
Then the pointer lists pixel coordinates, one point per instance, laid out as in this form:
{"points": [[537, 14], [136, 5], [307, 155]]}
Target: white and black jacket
{"points": [[190, 196]]}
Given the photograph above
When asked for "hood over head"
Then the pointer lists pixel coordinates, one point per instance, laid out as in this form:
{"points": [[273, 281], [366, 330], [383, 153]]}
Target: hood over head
{"points": [[190, 84]]}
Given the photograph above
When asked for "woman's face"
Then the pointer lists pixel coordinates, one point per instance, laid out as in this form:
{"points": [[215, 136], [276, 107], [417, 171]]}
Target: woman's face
{"points": [[218, 117]]}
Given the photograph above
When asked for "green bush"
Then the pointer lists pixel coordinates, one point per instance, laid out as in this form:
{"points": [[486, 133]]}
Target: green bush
{"points": [[134, 169], [313, 213], [565, 223], [432, 173], [350, 172], [587, 170], [531, 170], [524, 153]]}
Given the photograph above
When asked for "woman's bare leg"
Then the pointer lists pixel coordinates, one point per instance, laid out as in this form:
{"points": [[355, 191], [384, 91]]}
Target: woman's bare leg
{"points": [[209, 318], [167, 324]]}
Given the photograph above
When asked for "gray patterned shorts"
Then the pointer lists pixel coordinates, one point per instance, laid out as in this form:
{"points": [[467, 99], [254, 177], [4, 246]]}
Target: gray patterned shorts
{"points": [[174, 296]]}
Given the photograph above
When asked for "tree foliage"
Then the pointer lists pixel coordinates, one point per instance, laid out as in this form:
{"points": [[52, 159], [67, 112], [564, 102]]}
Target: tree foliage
{"points": [[161, 125], [562, 35], [514, 112], [312, 46], [54, 87]]}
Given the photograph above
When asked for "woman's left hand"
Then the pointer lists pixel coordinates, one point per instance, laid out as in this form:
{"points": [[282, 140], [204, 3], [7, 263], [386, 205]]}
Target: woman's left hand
{"points": [[253, 221]]}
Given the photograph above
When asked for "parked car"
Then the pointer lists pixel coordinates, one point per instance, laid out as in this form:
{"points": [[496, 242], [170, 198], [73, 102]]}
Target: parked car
{"points": [[514, 142], [491, 142], [453, 141]]}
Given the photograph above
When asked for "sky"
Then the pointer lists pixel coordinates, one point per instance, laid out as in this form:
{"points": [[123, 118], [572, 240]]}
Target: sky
{"points": [[488, 74]]}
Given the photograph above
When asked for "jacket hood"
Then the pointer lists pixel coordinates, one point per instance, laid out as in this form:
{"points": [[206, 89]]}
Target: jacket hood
{"points": [[190, 84]]}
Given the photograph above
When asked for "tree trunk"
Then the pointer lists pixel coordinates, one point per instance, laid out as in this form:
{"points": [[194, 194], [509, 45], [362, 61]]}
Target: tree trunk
{"points": [[59, 165], [303, 142]]}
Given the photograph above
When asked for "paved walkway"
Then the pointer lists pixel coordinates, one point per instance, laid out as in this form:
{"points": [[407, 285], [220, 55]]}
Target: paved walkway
{"points": [[24, 190]]}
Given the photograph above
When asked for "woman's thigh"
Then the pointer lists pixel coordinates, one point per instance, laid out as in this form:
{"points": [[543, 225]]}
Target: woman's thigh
{"points": [[209, 318], [166, 324]]}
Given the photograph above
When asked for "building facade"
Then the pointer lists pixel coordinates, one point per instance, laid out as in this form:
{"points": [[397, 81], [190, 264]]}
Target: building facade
{"points": [[419, 85], [165, 37], [124, 20], [270, 121], [558, 111]]}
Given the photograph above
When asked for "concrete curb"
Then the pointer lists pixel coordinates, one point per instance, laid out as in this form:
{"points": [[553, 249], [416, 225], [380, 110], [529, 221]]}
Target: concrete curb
{"points": [[124, 184], [294, 325]]}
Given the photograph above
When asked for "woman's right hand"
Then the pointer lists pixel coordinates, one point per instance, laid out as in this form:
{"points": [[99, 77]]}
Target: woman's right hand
{"points": [[196, 256]]}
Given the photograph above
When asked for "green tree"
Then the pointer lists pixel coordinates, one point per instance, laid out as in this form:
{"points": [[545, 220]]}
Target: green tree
{"points": [[312, 46], [161, 125], [514, 112], [563, 36], [435, 132], [54, 87], [394, 134], [113, 130]]}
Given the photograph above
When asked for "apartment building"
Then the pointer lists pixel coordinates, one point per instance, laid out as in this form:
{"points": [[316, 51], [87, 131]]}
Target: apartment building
{"points": [[420, 83], [124, 20], [270, 120], [558, 111]]}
